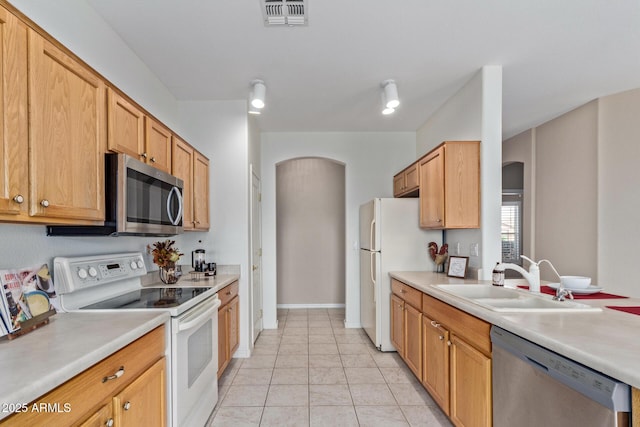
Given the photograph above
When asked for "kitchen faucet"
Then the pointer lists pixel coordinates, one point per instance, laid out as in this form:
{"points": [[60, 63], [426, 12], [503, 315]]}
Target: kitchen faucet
{"points": [[532, 276]]}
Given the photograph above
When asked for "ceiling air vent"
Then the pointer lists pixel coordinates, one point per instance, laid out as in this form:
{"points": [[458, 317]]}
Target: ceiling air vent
{"points": [[284, 12]]}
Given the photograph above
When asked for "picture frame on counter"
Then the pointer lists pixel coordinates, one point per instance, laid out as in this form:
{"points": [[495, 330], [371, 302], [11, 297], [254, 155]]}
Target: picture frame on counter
{"points": [[458, 266]]}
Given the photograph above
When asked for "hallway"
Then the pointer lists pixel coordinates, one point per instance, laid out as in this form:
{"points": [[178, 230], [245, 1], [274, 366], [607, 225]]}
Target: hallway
{"points": [[314, 372]]}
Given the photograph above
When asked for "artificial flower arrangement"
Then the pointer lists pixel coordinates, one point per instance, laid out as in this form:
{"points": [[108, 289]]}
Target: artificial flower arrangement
{"points": [[164, 254]]}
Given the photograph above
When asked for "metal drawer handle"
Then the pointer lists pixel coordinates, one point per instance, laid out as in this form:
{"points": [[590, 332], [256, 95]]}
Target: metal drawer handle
{"points": [[153, 159], [126, 405], [109, 422], [44, 203], [440, 337], [143, 155], [435, 324], [19, 199], [118, 374]]}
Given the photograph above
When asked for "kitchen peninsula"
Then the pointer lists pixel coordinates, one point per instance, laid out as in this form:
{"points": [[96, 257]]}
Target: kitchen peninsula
{"points": [[601, 340]]}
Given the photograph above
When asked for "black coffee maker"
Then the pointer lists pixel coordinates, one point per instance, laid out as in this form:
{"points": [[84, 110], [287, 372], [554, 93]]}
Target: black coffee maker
{"points": [[197, 260]]}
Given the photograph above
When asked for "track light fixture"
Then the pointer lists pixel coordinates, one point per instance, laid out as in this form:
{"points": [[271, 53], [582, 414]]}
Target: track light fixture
{"points": [[258, 93], [389, 96]]}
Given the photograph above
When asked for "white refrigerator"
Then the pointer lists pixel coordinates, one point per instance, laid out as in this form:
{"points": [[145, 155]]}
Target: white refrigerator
{"points": [[390, 240]]}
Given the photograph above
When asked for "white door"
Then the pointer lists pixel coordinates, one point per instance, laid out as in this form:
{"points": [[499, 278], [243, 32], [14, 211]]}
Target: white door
{"points": [[256, 256]]}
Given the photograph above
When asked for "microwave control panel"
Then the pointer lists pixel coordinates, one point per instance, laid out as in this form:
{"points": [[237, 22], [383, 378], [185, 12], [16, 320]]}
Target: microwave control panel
{"points": [[72, 274]]}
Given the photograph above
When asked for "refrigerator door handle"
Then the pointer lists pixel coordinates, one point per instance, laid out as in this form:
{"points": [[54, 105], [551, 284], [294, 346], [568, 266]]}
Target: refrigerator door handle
{"points": [[372, 243], [373, 279]]}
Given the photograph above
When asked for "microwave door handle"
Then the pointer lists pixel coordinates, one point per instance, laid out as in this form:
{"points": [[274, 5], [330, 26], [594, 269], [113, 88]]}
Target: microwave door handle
{"points": [[175, 191]]}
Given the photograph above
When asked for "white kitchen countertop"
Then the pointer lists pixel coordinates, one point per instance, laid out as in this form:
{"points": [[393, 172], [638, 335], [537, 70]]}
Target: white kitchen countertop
{"points": [[35, 363], [606, 341]]}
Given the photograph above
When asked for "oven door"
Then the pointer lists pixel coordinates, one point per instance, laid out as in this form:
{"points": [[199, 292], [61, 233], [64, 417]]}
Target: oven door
{"points": [[149, 200], [194, 350]]}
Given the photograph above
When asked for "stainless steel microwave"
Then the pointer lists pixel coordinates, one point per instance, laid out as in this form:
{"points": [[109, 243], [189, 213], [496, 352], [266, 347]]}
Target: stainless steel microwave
{"points": [[140, 200]]}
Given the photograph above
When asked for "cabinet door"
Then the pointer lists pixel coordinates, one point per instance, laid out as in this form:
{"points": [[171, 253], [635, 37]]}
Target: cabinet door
{"points": [[462, 179], [397, 324], [158, 145], [470, 385], [14, 130], [126, 126], [234, 325], [435, 367], [67, 115], [432, 190], [223, 341], [398, 184], [143, 402], [182, 167], [201, 192], [412, 176], [102, 418], [413, 339]]}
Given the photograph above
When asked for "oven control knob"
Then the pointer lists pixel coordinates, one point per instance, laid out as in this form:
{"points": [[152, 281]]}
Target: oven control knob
{"points": [[93, 272], [133, 265], [82, 273], [140, 263]]}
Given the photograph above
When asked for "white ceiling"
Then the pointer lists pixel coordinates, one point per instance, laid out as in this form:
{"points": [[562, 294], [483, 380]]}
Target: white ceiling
{"points": [[556, 55]]}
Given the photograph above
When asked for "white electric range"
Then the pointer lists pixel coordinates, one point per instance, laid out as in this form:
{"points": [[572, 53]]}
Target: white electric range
{"points": [[113, 282]]}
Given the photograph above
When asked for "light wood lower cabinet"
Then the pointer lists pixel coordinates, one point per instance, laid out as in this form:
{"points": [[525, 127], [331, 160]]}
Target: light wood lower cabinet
{"points": [[406, 325], [448, 350], [435, 366], [470, 385], [128, 387], [228, 325]]}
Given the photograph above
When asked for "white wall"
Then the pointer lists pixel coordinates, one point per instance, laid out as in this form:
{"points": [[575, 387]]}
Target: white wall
{"points": [[618, 194], [78, 27], [220, 131], [371, 160], [566, 192], [474, 113]]}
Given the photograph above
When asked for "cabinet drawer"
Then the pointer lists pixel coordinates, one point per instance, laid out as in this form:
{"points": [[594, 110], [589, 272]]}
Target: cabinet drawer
{"points": [[86, 391], [410, 295], [472, 329], [227, 293]]}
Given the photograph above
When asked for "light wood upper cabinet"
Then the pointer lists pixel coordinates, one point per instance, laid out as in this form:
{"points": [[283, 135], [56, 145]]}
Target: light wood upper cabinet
{"points": [[182, 167], [450, 186], [67, 135], [158, 145], [14, 143], [406, 183], [193, 168], [201, 192], [134, 133], [126, 126]]}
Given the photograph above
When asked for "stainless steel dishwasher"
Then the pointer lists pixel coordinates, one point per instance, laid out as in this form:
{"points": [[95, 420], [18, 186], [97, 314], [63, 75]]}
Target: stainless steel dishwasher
{"points": [[533, 386]]}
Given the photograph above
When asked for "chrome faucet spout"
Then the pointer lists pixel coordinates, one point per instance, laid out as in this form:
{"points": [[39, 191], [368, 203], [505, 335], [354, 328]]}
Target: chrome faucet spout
{"points": [[532, 276]]}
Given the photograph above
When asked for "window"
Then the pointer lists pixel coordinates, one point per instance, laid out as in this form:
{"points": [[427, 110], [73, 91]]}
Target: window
{"points": [[511, 228]]}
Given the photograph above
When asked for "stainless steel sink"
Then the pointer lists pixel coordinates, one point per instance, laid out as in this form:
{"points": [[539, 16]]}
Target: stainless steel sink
{"points": [[513, 300]]}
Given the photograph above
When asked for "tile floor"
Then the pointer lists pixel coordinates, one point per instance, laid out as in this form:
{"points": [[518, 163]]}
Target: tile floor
{"points": [[314, 372]]}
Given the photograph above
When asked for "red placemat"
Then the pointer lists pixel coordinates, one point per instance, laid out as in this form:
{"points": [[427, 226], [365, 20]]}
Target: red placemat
{"points": [[632, 310], [598, 295]]}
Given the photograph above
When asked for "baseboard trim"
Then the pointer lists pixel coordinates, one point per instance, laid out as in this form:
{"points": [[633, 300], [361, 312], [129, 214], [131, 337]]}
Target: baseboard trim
{"points": [[310, 305], [349, 325]]}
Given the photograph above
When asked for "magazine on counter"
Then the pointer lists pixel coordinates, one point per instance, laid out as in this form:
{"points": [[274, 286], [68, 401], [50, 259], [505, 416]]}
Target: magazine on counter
{"points": [[26, 293]]}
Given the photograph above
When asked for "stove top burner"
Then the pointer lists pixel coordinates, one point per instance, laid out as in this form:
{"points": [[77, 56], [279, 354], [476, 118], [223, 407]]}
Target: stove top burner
{"points": [[149, 298]]}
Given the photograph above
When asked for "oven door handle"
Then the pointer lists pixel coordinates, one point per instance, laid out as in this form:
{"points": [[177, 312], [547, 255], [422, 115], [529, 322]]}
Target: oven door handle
{"points": [[198, 316], [174, 191]]}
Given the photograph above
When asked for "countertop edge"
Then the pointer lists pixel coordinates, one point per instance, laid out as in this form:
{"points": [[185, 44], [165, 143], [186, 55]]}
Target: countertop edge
{"points": [[57, 377], [513, 322]]}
